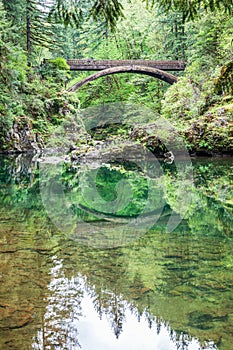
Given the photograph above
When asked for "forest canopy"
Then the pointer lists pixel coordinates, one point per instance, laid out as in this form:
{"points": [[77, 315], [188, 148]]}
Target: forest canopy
{"points": [[73, 11]]}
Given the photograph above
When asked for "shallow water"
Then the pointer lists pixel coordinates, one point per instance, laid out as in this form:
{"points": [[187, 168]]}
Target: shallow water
{"points": [[81, 269]]}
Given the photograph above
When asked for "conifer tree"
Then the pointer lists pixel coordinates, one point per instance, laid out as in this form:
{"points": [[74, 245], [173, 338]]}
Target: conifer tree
{"points": [[191, 8], [74, 12], [29, 18]]}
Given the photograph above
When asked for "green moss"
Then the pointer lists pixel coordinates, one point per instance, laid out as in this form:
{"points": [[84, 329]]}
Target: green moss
{"points": [[60, 63], [224, 82]]}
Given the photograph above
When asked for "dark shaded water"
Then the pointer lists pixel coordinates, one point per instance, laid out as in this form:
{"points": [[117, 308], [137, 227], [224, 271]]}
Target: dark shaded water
{"points": [[73, 277]]}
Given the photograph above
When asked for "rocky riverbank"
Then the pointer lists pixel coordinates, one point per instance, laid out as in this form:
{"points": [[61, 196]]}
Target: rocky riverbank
{"points": [[206, 136]]}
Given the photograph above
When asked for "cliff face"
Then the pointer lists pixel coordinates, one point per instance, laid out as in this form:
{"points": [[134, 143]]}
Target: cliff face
{"points": [[21, 138]]}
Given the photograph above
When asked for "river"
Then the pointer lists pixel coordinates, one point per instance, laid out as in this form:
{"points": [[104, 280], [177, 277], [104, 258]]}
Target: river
{"points": [[81, 269]]}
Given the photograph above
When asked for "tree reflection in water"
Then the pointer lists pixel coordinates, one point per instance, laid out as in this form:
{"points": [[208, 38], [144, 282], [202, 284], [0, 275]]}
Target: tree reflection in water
{"points": [[94, 299], [79, 318]]}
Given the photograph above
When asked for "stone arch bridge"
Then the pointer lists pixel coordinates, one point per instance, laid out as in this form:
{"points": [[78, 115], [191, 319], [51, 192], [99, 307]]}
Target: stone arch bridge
{"points": [[156, 69]]}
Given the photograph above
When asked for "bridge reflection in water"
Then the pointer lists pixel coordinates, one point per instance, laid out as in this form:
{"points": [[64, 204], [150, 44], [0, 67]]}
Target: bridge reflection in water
{"points": [[165, 288]]}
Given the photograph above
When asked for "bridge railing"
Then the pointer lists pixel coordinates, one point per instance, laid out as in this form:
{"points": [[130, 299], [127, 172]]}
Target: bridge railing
{"points": [[92, 64]]}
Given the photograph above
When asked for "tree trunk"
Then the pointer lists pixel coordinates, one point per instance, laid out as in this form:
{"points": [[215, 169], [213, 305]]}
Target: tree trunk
{"points": [[183, 37], [28, 28], [176, 38]]}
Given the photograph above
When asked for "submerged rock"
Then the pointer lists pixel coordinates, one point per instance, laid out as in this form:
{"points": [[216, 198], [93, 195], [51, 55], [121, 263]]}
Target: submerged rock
{"points": [[204, 321]]}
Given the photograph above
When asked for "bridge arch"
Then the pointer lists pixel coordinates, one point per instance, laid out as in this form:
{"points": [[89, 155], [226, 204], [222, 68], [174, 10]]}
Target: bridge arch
{"points": [[154, 72]]}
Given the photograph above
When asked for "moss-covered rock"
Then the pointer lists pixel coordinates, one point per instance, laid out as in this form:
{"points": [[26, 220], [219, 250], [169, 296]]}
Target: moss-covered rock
{"points": [[224, 82], [21, 137], [211, 133]]}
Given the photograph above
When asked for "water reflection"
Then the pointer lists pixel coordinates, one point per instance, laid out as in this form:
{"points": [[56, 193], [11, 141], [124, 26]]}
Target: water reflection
{"points": [[75, 318], [163, 291]]}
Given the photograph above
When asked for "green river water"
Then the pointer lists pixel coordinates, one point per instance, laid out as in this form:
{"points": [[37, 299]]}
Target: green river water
{"points": [[81, 269]]}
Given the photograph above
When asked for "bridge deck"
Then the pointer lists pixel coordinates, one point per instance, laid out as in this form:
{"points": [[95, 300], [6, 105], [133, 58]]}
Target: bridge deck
{"points": [[95, 65]]}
